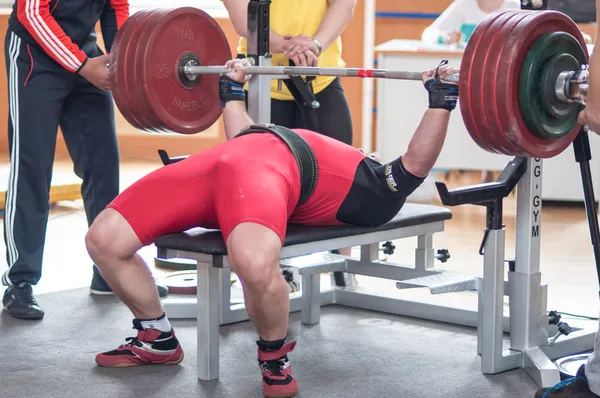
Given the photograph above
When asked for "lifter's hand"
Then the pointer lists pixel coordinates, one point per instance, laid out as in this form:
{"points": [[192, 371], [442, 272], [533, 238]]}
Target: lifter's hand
{"points": [[236, 70], [443, 72], [441, 95], [95, 71], [588, 119]]}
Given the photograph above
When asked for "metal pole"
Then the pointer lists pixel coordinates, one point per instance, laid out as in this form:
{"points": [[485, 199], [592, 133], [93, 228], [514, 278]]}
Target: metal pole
{"points": [[315, 71], [583, 155]]}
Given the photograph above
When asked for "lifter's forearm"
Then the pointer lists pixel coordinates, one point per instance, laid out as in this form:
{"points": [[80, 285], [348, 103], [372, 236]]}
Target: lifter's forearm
{"points": [[235, 118], [427, 142]]}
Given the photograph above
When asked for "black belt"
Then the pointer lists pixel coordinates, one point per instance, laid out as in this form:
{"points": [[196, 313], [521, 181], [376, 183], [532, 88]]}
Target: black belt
{"points": [[303, 153]]}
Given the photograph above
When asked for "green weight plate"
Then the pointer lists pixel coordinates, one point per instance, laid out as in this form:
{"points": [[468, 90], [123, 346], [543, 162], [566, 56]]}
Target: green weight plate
{"points": [[558, 109], [549, 55]]}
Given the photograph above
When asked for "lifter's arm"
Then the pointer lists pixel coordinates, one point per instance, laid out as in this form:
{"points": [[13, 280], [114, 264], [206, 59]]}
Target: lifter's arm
{"points": [[232, 96], [235, 118], [428, 140]]}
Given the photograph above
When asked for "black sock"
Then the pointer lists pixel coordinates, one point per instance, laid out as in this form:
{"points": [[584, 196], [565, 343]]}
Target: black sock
{"points": [[270, 345]]}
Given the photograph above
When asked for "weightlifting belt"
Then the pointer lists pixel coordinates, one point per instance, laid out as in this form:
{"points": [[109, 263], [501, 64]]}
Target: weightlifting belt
{"points": [[303, 153]]}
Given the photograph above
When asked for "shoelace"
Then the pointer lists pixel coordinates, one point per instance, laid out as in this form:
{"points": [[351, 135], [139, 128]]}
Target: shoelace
{"points": [[563, 384], [275, 367], [132, 341], [24, 293]]}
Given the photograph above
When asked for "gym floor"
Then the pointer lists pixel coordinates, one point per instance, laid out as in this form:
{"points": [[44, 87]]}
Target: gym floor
{"points": [[566, 263]]}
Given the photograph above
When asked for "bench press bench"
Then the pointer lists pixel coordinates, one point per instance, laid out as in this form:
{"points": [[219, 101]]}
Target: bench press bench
{"points": [[212, 307]]}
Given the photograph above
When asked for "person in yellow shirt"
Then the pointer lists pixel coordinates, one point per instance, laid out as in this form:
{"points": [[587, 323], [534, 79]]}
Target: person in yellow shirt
{"points": [[307, 32]]}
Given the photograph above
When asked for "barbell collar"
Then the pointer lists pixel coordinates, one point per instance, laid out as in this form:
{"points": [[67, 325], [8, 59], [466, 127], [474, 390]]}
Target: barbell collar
{"points": [[572, 86]]}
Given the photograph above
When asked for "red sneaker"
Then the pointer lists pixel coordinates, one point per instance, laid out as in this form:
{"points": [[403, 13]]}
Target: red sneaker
{"points": [[278, 381], [149, 347]]}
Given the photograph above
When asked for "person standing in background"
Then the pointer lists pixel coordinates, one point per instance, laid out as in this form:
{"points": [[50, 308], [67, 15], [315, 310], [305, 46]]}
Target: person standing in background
{"points": [[57, 76], [308, 33], [586, 383], [458, 21]]}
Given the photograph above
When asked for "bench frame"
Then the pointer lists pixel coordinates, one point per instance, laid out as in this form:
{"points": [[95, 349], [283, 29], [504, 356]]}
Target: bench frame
{"points": [[212, 306]]}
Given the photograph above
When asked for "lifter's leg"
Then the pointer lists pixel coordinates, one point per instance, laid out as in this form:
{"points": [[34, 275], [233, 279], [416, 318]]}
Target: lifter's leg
{"points": [[254, 253], [113, 246]]}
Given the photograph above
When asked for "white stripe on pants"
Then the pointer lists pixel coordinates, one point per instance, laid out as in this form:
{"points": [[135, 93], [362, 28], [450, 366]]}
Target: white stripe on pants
{"points": [[11, 194]]}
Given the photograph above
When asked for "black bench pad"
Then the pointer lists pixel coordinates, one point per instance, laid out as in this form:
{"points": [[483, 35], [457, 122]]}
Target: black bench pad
{"points": [[210, 241]]}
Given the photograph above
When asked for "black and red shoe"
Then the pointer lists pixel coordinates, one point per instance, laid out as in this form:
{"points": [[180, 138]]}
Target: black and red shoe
{"points": [[149, 347], [278, 381]]}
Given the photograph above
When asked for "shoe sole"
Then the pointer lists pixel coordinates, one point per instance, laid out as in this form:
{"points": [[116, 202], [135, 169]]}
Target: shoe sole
{"points": [[29, 318], [101, 293], [281, 394], [131, 365], [111, 293]]}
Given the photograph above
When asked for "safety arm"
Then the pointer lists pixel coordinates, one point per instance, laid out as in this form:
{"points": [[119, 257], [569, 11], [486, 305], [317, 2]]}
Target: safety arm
{"points": [[36, 17], [338, 15], [238, 13], [235, 118], [113, 17]]}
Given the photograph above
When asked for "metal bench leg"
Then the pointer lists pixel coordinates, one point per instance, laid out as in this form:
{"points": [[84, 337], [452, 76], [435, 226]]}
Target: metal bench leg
{"points": [[311, 298], [424, 253], [209, 315], [479, 317]]}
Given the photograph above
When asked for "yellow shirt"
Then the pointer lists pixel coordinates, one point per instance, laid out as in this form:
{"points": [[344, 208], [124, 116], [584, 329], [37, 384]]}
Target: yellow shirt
{"points": [[295, 17]]}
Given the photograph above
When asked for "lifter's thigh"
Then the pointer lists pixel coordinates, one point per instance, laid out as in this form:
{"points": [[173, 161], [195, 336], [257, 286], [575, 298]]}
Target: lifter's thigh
{"points": [[111, 236], [171, 199], [253, 210], [254, 253]]}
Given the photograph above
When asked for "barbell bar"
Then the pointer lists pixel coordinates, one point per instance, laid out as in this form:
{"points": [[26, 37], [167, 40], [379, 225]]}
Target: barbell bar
{"points": [[567, 88], [193, 71], [522, 77]]}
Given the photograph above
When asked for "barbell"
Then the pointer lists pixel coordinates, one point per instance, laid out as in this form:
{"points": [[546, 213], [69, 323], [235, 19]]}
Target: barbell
{"points": [[522, 83]]}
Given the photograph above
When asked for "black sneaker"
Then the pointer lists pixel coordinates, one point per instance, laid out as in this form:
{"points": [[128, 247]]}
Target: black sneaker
{"points": [[99, 287], [19, 302], [575, 387]]}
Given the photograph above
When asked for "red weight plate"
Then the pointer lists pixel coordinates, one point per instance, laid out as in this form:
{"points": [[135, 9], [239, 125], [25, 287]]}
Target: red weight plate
{"points": [[131, 112], [469, 102], [125, 62], [512, 57], [182, 282], [181, 109], [135, 49], [482, 82], [132, 87], [117, 70], [490, 83]]}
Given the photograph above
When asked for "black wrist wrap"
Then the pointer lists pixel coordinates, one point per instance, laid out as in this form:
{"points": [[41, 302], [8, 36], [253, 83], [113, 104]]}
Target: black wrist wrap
{"points": [[441, 95], [230, 90]]}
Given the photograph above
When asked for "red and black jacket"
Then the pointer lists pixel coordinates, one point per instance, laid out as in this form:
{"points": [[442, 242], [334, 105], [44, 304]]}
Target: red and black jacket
{"points": [[65, 29]]}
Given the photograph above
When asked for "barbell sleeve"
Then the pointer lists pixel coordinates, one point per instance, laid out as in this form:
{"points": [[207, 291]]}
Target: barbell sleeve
{"points": [[195, 70]]}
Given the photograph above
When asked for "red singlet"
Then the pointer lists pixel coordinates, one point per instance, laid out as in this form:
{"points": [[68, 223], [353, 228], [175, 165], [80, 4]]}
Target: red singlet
{"points": [[253, 178]]}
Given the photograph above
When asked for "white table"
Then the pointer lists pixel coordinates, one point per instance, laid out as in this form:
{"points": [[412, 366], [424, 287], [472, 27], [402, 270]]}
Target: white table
{"points": [[400, 106]]}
